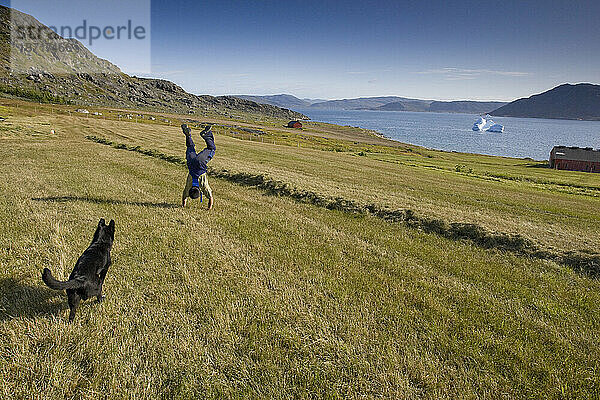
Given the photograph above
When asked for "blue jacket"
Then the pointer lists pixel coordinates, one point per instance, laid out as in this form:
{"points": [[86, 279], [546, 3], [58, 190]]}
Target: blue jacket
{"points": [[196, 162]]}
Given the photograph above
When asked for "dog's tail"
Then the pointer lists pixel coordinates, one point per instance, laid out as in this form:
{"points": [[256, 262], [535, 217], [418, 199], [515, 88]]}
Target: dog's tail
{"points": [[58, 285]]}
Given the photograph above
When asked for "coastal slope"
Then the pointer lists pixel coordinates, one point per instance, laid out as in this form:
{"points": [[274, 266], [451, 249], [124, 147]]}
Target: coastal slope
{"points": [[580, 101]]}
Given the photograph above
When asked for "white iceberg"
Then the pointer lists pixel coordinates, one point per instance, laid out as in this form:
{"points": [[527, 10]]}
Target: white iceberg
{"points": [[487, 125], [479, 124], [496, 128]]}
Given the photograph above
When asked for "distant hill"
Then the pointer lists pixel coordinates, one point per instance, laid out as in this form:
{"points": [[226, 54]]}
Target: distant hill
{"points": [[79, 77], [313, 101], [279, 100], [406, 104], [384, 103], [469, 107], [289, 101], [368, 103], [395, 106], [581, 101]]}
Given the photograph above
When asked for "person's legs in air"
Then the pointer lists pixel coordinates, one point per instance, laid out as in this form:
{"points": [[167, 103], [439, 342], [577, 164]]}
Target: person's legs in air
{"points": [[208, 153], [208, 137]]}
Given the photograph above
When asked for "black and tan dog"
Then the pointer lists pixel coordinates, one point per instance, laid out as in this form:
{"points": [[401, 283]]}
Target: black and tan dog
{"points": [[90, 270]]}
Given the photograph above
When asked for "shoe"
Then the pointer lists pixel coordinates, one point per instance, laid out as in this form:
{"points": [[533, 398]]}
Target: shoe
{"points": [[187, 131], [206, 130]]}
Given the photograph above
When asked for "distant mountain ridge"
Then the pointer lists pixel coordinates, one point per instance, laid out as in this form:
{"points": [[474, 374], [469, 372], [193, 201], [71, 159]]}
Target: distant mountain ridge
{"points": [[465, 106], [383, 103], [580, 101], [78, 76], [367, 103], [279, 100], [567, 101]]}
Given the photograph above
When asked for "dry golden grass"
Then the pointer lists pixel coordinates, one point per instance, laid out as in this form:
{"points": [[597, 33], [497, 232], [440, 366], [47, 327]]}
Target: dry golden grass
{"points": [[264, 297]]}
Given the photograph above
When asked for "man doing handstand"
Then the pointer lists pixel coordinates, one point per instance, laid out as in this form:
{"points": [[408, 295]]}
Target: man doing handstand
{"points": [[197, 181]]}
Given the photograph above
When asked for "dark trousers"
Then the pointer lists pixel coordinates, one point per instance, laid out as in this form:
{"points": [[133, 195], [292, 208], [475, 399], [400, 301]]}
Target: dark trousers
{"points": [[205, 155]]}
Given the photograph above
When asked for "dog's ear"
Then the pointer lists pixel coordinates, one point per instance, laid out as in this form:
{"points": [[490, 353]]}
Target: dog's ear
{"points": [[98, 229], [102, 222], [111, 227]]}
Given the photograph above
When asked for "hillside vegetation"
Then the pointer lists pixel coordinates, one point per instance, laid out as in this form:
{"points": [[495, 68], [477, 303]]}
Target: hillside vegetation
{"points": [[275, 295]]}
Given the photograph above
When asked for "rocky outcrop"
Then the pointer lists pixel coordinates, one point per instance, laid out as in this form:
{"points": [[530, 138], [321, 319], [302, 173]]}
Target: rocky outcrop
{"points": [[78, 76]]}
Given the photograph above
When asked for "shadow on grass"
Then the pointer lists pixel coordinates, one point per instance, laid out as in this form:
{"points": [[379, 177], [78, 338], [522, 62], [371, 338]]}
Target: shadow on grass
{"points": [[95, 200], [538, 165], [22, 300]]}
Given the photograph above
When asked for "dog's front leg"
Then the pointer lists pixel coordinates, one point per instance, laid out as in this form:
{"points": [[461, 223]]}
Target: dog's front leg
{"points": [[100, 296], [73, 303]]}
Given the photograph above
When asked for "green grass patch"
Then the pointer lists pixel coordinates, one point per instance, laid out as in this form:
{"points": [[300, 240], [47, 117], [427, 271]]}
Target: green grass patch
{"points": [[34, 94]]}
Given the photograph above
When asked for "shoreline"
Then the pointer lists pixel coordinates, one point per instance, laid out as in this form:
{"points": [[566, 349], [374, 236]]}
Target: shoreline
{"points": [[525, 138]]}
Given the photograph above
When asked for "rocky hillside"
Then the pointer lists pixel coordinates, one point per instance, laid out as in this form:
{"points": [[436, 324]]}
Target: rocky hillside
{"points": [[581, 101], [78, 76]]}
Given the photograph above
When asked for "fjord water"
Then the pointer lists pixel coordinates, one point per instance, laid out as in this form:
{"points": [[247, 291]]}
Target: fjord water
{"points": [[522, 137]]}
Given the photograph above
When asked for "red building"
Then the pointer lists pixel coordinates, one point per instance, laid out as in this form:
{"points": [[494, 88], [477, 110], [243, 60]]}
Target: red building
{"points": [[575, 159], [294, 124]]}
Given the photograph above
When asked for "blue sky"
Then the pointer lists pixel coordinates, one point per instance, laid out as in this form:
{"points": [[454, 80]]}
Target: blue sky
{"points": [[446, 50]]}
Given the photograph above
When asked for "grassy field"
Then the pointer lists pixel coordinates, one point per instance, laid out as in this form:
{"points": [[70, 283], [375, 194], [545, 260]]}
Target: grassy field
{"points": [[557, 210], [269, 297]]}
